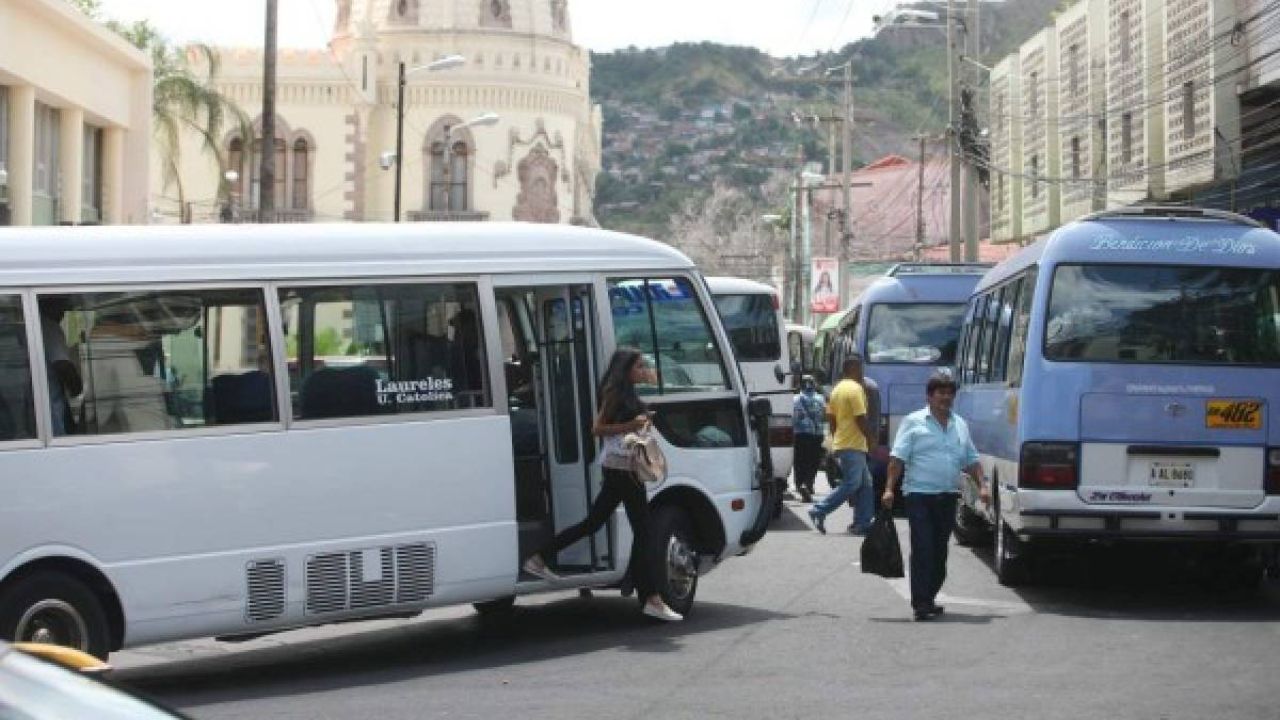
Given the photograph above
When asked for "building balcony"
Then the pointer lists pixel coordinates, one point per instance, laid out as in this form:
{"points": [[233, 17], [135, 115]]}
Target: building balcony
{"points": [[448, 216]]}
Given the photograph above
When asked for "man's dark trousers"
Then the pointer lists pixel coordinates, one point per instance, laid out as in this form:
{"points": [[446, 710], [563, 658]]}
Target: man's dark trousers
{"points": [[932, 517]]}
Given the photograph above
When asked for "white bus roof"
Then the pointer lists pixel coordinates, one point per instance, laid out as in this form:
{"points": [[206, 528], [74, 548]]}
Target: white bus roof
{"points": [[721, 285], [177, 253]]}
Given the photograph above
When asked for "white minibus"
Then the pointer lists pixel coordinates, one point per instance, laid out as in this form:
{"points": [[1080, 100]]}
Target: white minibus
{"points": [[752, 315], [234, 430]]}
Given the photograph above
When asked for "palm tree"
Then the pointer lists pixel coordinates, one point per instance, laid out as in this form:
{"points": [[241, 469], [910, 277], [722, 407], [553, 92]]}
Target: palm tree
{"points": [[184, 98]]}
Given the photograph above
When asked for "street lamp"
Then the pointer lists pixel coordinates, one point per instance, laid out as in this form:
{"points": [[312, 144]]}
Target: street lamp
{"points": [[485, 120], [444, 63]]}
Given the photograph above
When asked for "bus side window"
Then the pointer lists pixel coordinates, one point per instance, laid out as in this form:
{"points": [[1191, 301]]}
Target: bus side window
{"points": [[17, 405], [159, 360], [974, 346], [1021, 325], [363, 350], [1001, 360], [663, 318], [985, 350]]}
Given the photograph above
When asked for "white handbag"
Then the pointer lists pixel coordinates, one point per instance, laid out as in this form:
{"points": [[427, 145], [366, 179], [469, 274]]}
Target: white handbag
{"points": [[645, 457]]}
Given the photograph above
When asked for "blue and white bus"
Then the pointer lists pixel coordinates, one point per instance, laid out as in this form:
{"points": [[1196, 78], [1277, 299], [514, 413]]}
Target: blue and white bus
{"points": [[1121, 379], [905, 325]]}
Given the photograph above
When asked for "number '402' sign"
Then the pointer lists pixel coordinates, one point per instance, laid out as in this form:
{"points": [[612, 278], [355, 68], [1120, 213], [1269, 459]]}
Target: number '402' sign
{"points": [[1234, 414]]}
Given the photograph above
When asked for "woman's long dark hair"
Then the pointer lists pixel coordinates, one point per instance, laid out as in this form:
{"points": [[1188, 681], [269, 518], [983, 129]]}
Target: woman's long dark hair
{"points": [[616, 389]]}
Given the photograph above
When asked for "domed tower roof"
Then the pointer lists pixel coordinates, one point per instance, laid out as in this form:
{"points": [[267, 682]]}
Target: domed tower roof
{"points": [[525, 17]]}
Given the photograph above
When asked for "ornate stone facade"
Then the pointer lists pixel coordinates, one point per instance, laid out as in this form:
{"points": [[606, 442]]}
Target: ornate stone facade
{"points": [[538, 162]]}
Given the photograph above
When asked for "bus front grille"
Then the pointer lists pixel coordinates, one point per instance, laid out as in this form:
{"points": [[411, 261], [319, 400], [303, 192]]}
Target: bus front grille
{"points": [[266, 590], [370, 578]]}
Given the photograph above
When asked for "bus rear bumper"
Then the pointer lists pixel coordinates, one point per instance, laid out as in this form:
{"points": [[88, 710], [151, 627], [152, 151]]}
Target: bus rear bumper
{"points": [[1149, 524]]}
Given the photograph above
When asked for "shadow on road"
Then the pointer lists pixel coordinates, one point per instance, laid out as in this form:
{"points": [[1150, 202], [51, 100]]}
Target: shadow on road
{"points": [[531, 634], [792, 519], [1142, 582]]}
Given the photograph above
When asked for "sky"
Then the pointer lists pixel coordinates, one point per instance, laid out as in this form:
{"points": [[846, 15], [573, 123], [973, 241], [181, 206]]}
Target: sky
{"points": [[782, 29]]}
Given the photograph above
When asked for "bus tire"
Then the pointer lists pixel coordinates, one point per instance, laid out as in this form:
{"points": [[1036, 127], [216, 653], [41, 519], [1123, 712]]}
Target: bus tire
{"points": [[675, 558], [55, 608], [497, 607], [1012, 556], [970, 529]]}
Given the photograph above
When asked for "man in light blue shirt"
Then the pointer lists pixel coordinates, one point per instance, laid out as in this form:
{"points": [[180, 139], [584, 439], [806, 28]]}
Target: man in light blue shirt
{"points": [[932, 448]]}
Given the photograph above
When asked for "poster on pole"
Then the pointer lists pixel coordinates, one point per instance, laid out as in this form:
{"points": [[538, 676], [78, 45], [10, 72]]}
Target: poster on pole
{"points": [[824, 289]]}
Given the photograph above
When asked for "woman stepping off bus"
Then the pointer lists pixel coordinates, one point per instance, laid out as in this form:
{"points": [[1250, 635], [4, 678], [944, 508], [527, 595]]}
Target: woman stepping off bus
{"points": [[621, 412]]}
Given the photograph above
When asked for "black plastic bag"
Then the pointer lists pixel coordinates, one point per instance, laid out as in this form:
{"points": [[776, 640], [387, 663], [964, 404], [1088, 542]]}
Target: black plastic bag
{"points": [[881, 553]]}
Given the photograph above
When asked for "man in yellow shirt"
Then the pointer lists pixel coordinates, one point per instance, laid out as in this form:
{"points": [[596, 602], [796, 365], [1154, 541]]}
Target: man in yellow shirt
{"points": [[847, 418]]}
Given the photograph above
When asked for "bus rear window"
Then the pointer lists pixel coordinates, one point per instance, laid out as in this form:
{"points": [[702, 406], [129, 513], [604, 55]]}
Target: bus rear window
{"points": [[752, 324], [917, 333], [1164, 314]]}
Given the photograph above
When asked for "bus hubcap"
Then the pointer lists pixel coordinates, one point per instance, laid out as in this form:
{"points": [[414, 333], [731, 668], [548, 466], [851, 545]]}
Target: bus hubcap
{"points": [[682, 567], [53, 622]]}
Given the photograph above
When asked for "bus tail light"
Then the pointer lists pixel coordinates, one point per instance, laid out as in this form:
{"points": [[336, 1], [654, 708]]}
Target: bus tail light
{"points": [[777, 301], [1049, 466], [1272, 482]]}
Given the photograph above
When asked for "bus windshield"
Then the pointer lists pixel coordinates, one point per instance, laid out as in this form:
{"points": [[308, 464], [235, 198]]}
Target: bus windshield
{"points": [[752, 324], [1164, 314], [918, 333]]}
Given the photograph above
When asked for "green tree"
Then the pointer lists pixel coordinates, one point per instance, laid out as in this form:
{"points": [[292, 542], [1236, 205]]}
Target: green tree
{"points": [[184, 97]]}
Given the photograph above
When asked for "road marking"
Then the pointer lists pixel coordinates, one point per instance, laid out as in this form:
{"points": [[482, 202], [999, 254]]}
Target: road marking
{"points": [[902, 586]]}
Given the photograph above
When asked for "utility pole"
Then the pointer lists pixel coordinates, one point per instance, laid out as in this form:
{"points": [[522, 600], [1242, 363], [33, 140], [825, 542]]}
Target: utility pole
{"points": [[919, 203], [846, 232], [267, 174], [971, 170], [797, 277], [953, 137], [399, 138]]}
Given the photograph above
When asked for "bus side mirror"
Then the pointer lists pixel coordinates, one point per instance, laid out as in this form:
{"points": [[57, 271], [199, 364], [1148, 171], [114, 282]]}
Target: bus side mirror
{"points": [[759, 409], [777, 373]]}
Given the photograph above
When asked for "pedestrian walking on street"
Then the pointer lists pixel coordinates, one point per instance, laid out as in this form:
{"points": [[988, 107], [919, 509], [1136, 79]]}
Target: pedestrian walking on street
{"points": [[621, 412], [863, 502], [847, 416], [808, 418], [931, 450]]}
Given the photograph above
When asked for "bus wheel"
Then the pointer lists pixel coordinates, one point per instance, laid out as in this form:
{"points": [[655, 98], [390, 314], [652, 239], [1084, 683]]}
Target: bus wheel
{"points": [[970, 529], [496, 608], [1013, 557], [677, 560], [57, 609]]}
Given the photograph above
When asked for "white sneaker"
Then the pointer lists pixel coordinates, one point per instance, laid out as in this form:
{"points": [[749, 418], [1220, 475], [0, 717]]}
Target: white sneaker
{"points": [[536, 567], [662, 612]]}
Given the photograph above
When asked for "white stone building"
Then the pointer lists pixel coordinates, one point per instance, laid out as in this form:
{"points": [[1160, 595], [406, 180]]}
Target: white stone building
{"points": [[75, 119], [336, 120]]}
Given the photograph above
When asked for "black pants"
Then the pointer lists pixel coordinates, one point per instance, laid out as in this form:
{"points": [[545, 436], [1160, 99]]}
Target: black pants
{"points": [[808, 457], [932, 518], [619, 486]]}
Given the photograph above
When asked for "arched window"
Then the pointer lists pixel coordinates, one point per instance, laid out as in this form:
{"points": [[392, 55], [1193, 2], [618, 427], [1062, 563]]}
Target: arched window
{"points": [[235, 161], [450, 176], [301, 175]]}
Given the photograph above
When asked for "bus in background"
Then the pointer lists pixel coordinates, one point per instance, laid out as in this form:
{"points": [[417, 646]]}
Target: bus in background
{"points": [[1121, 380], [752, 315], [800, 341], [233, 430], [904, 326]]}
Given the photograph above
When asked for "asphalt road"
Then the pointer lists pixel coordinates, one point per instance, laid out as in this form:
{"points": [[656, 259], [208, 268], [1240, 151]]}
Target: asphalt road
{"points": [[794, 630]]}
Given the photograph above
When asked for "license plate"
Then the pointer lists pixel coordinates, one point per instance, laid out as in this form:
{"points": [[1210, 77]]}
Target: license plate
{"points": [[1172, 474], [1233, 414]]}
